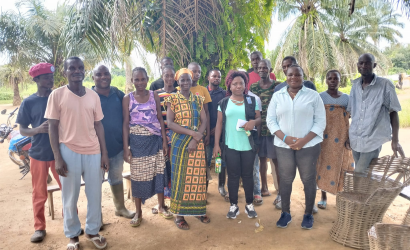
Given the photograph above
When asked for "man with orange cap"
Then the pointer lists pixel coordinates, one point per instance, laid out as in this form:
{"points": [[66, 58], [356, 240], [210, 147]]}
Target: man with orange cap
{"points": [[32, 112]]}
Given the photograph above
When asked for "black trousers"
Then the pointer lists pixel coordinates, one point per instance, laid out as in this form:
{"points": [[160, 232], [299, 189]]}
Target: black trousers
{"points": [[240, 164]]}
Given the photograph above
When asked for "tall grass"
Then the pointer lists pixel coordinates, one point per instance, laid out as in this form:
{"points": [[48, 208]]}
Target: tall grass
{"points": [[404, 114]]}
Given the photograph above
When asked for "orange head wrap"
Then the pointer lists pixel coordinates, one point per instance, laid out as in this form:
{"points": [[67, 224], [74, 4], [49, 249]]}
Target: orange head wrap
{"points": [[183, 71]]}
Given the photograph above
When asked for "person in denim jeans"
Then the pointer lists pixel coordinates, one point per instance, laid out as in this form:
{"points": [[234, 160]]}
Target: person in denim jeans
{"points": [[111, 104]]}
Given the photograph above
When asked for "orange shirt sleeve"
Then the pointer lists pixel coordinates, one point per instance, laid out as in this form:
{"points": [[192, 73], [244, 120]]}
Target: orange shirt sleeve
{"points": [[53, 106], [98, 114], [206, 94]]}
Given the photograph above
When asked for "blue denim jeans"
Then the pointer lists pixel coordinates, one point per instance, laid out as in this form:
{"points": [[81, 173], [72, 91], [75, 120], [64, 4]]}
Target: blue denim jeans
{"points": [[362, 160], [256, 179], [116, 168], [209, 152]]}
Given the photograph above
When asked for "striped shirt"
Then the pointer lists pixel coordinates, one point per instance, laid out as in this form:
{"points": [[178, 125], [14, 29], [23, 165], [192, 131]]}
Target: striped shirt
{"points": [[162, 94]]}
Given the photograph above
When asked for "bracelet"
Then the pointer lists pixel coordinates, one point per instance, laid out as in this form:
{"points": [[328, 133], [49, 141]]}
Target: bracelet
{"points": [[284, 138]]}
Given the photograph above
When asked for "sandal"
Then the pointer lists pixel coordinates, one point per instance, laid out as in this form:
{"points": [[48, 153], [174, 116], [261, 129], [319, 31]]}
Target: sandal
{"points": [[73, 246], [227, 197], [136, 222], [322, 204], [154, 210], [167, 214], [265, 195], [257, 200], [97, 238], [204, 219], [181, 223], [277, 200]]}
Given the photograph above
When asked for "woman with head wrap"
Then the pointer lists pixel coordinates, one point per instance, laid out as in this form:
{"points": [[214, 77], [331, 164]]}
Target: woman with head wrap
{"points": [[187, 119]]}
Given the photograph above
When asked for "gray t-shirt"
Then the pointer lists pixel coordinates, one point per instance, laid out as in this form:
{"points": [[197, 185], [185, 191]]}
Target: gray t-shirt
{"points": [[343, 100]]}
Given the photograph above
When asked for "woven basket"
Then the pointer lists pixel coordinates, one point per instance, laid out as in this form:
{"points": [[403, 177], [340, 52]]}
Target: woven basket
{"points": [[365, 199], [390, 236]]}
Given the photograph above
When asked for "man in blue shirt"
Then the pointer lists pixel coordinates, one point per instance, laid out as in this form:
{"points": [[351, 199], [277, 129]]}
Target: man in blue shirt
{"points": [[217, 94], [286, 63], [111, 104]]}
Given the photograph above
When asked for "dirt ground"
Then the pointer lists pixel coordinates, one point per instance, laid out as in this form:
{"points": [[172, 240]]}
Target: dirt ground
{"points": [[155, 232]]}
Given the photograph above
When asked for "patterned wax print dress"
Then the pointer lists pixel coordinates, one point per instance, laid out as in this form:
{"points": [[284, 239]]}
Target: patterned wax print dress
{"points": [[334, 157], [188, 175], [148, 175]]}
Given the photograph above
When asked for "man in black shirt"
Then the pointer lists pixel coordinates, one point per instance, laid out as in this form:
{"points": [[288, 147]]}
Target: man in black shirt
{"points": [[286, 62], [159, 84], [32, 112]]}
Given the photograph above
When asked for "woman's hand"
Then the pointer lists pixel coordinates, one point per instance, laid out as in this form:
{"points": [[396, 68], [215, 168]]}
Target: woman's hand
{"points": [[192, 146], [249, 125], [291, 140], [298, 144], [165, 146], [127, 155], [217, 150], [197, 136]]}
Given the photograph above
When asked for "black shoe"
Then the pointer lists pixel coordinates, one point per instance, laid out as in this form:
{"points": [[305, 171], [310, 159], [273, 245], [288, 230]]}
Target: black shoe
{"points": [[250, 211], [38, 236], [233, 211]]}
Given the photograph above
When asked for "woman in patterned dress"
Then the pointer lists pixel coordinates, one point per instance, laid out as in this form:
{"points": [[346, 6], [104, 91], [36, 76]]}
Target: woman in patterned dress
{"points": [[145, 144], [336, 156], [187, 119]]}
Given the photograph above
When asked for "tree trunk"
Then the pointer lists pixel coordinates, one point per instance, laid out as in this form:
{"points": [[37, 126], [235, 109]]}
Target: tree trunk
{"points": [[16, 97], [129, 87]]}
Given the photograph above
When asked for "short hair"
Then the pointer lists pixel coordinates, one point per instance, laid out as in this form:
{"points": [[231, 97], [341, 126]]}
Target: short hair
{"points": [[167, 58], [371, 56], [98, 66], [268, 63], [70, 58], [168, 67], [257, 53], [194, 63], [136, 69], [292, 58], [296, 66], [209, 72], [333, 71], [229, 78]]}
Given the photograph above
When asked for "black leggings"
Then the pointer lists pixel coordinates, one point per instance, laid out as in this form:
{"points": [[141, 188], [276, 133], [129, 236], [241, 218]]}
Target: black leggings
{"points": [[240, 164], [305, 160]]}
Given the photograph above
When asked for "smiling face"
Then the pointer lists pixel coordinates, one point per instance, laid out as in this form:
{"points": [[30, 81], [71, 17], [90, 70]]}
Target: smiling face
{"points": [[185, 82], [237, 86], [294, 77], [263, 70], [45, 81], [214, 77], [255, 59], [102, 77], [365, 65], [333, 81], [196, 69], [140, 80], [75, 71], [168, 76]]}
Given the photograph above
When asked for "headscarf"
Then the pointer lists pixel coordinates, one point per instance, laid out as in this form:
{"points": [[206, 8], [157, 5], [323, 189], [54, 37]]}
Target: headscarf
{"points": [[183, 71]]}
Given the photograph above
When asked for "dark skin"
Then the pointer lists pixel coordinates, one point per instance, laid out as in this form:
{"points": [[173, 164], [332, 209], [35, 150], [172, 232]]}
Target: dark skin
{"points": [[102, 80], [166, 62], [168, 77], [237, 88], [75, 75], [255, 59], [333, 84], [285, 65], [141, 95], [196, 69], [44, 83], [264, 70], [366, 66], [185, 84], [214, 79]]}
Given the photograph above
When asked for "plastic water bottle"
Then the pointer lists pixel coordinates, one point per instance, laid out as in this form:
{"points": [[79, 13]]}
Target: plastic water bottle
{"points": [[218, 164]]}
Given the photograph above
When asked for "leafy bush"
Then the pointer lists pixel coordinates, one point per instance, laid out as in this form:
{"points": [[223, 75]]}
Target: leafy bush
{"points": [[6, 95]]}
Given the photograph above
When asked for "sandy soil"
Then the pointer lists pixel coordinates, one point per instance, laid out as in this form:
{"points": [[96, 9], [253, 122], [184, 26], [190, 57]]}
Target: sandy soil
{"points": [[155, 232]]}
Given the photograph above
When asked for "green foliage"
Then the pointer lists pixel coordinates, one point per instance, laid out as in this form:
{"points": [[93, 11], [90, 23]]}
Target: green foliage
{"points": [[6, 95], [400, 57], [404, 114]]}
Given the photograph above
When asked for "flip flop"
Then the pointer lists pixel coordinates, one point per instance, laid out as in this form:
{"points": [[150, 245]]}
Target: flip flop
{"points": [[204, 219], [154, 210], [74, 246], [100, 238], [266, 195], [257, 200], [322, 204], [180, 223], [166, 215], [136, 222]]}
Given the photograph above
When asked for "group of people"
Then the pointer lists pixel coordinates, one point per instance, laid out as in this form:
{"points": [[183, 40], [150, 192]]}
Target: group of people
{"points": [[170, 133]]}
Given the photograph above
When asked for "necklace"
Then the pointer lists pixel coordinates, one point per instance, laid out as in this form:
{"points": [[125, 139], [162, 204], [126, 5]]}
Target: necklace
{"points": [[237, 103]]}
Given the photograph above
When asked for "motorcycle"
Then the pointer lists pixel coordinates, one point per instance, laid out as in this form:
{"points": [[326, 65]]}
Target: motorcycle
{"points": [[19, 145]]}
